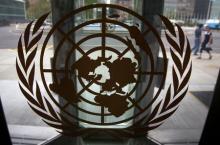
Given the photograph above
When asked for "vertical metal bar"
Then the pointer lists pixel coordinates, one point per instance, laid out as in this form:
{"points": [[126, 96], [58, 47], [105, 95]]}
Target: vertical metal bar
{"points": [[103, 30], [5, 137], [210, 132], [59, 9], [150, 10], [102, 114]]}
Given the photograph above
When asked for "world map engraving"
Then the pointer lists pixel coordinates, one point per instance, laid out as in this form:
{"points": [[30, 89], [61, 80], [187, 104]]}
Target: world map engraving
{"points": [[121, 73], [116, 74]]}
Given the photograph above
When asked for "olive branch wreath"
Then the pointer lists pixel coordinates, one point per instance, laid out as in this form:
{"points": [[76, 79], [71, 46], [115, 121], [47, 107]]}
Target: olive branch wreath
{"points": [[25, 65], [181, 71]]}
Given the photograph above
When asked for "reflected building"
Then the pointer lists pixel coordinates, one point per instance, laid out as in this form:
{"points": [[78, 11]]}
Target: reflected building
{"points": [[215, 9], [202, 9], [185, 8], [181, 9], [12, 10]]}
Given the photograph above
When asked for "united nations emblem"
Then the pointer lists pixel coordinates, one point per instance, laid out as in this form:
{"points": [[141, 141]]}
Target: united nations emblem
{"points": [[102, 76]]}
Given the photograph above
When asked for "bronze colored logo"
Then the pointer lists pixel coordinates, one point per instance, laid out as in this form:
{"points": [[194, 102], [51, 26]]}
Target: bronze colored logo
{"points": [[108, 76]]}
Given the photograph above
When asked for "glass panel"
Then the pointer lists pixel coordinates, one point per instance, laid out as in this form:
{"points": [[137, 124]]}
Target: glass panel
{"points": [[185, 126], [25, 127]]}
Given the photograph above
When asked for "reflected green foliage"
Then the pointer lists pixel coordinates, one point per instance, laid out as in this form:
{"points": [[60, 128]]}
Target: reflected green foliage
{"points": [[37, 9], [88, 2], [89, 13]]}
